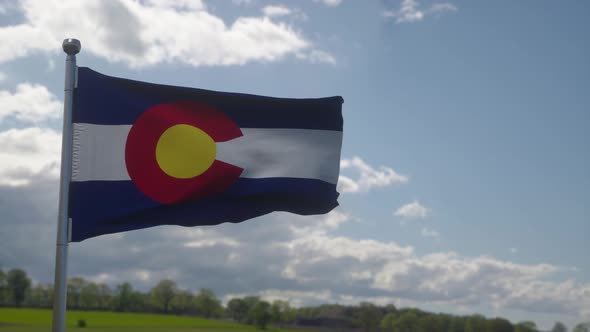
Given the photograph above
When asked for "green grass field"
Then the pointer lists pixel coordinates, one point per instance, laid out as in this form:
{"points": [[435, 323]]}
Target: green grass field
{"points": [[36, 320]]}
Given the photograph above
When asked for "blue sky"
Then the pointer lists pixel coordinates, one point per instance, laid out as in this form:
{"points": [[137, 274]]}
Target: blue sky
{"points": [[465, 160]]}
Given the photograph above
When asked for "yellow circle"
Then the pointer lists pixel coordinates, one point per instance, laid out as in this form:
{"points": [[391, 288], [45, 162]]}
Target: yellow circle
{"points": [[184, 151]]}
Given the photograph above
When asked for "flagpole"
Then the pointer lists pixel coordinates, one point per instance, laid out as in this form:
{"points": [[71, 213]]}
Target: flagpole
{"points": [[71, 47]]}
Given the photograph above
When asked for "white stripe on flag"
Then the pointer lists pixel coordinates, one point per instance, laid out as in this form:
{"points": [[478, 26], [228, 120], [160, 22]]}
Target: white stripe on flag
{"points": [[295, 153], [99, 153]]}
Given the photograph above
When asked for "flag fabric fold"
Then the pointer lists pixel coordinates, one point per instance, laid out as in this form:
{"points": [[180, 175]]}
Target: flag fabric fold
{"points": [[147, 154]]}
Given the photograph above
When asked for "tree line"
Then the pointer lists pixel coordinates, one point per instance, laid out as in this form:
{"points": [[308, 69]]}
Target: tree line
{"points": [[17, 290]]}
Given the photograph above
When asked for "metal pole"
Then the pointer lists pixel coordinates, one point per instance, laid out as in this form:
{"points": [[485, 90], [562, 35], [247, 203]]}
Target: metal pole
{"points": [[71, 47]]}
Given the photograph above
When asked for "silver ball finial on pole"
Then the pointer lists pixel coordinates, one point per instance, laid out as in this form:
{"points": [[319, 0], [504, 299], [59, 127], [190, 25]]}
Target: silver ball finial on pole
{"points": [[71, 46]]}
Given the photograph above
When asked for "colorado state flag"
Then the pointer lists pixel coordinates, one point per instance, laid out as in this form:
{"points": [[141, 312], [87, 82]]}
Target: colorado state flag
{"points": [[147, 155]]}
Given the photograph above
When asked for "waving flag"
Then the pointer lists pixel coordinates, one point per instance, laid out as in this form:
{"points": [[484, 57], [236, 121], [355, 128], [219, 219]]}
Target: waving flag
{"points": [[147, 155]]}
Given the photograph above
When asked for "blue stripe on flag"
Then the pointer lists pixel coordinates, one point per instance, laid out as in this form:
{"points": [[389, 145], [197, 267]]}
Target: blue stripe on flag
{"points": [[117, 206], [101, 99]]}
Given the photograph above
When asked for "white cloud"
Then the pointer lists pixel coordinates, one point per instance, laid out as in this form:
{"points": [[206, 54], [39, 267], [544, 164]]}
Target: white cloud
{"points": [[368, 178], [27, 154], [302, 259], [409, 11], [446, 277], [413, 210], [242, 2], [281, 11], [2, 77], [149, 33], [50, 65], [211, 243], [546, 296], [178, 4], [22, 40], [31, 153], [317, 56], [30, 102], [331, 3], [272, 11], [442, 7], [428, 232]]}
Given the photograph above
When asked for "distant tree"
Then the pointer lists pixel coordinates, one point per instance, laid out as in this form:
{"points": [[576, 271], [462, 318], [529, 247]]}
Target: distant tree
{"points": [[289, 315], [238, 309], [75, 286], [428, 323], [309, 312], [475, 323], [407, 321], [18, 284], [444, 321], [499, 325], [335, 310], [582, 327], [390, 308], [276, 312], [457, 324], [140, 302], [369, 316], [434, 323], [259, 314], [388, 322], [163, 293], [559, 327], [183, 303], [207, 303], [527, 326], [89, 296], [123, 300], [281, 312], [4, 297], [41, 296], [250, 302], [105, 295]]}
